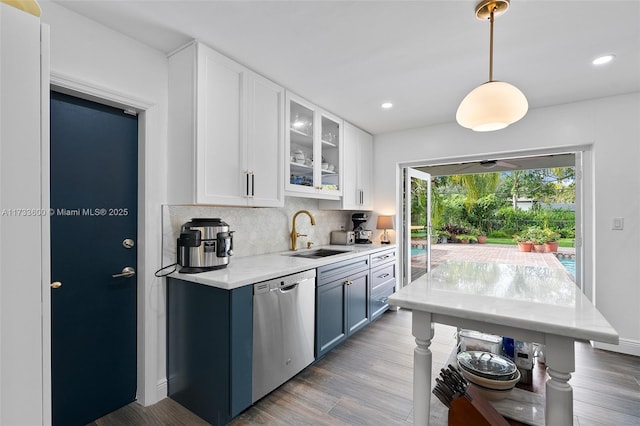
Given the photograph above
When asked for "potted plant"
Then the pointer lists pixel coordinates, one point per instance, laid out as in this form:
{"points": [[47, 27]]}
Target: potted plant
{"points": [[537, 237], [524, 244], [551, 240], [467, 238], [435, 236], [443, 236], [480, 235]]}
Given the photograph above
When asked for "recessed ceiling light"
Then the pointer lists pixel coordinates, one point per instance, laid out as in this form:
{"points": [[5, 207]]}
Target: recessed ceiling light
{"points": [[603, 59], [386, 105]]}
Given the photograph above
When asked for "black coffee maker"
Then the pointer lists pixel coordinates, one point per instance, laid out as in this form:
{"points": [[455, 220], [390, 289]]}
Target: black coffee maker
{"points": [[362, 236]]}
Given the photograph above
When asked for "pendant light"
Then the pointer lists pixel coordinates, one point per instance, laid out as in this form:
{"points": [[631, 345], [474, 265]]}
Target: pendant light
{"points": [[495, 104]]}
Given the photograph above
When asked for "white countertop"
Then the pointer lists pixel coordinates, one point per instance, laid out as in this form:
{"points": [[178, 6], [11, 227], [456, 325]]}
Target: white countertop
{"points": [[527, 297], [243, 271]]}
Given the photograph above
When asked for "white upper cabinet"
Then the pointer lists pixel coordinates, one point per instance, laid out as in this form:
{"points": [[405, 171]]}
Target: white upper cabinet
{"points": [[313, 151], [265, 131], [357, 189], [226, 132]]}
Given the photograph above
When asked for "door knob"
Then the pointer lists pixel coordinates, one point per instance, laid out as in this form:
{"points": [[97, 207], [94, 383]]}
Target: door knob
{"points": [[127, 272], [56, 284]]}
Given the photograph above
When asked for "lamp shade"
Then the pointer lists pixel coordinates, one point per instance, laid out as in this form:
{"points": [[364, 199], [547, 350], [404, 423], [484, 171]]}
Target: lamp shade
{"points": [[384, 222], [492, 106]]}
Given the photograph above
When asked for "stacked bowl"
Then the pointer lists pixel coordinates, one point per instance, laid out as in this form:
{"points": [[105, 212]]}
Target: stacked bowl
{"points": [[492, 374]]}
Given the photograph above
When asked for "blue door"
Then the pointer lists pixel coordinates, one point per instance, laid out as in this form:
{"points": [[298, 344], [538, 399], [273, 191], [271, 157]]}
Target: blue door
{"points": [[94, 181]]}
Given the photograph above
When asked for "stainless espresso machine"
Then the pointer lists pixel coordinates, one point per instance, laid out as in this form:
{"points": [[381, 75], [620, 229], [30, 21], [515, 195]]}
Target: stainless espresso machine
{"points": [[362, 236]]}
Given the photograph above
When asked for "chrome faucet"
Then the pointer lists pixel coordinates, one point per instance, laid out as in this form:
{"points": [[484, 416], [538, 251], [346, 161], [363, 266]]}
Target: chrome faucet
{"points": [[294, 233]]}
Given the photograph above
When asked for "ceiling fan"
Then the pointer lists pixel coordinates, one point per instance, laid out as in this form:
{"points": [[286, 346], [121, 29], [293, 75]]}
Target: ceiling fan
{"points": [[486, 164]]}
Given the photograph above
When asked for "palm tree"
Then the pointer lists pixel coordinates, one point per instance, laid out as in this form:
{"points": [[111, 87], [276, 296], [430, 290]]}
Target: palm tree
{"points": [[476, 186]]}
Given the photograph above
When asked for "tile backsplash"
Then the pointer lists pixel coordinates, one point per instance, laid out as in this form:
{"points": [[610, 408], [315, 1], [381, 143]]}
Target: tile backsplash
{"points": [[258, 230]]}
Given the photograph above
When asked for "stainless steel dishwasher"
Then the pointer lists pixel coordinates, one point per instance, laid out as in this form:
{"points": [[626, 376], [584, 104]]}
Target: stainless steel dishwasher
{"points": [[283, 330]]}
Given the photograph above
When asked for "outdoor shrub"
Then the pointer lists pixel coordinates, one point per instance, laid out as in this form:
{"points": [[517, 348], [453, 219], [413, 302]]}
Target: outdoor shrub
{"points": [[453, 209], [567, 233], [514, 221], [454, 228], [482, 211]]}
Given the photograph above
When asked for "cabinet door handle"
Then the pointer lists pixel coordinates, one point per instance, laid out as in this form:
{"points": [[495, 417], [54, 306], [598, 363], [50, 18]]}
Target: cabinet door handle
{"points": [[383, 276], [253, 184], [250, 189], [382, 257], [361, 197]]}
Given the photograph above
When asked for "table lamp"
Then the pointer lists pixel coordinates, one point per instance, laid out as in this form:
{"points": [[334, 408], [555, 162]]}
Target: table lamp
{"points": [[385, 222]]}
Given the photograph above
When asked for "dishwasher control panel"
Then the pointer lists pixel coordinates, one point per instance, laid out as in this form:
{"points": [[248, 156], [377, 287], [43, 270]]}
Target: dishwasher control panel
{"points": [[283, 282]]}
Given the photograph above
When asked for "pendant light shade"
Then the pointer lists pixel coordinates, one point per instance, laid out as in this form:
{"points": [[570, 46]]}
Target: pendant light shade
{"points": [[495, 104], [492, 106]]}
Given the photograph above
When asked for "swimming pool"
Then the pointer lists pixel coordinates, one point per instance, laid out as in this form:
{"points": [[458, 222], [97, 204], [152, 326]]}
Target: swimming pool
{"points": [[569, 263], [416, 251]]}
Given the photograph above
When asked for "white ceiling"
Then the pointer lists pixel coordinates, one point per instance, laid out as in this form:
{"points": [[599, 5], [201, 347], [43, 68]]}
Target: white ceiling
{"points": [[424, 56]]}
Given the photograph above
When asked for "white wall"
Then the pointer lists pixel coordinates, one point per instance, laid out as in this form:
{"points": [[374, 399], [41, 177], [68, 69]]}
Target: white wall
{"points": [[612, 126], [21, 375], [91, 54]]}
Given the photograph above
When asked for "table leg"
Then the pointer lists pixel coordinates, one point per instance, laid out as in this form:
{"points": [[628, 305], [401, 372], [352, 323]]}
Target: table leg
{"points": [[560, 360], [422, 329]]}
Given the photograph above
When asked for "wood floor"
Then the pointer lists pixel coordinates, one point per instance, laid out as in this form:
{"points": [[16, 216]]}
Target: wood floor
{"points": [[368, 381]]}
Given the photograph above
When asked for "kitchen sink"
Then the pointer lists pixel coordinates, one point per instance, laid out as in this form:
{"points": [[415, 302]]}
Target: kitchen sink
{"points": [[318, 253]]}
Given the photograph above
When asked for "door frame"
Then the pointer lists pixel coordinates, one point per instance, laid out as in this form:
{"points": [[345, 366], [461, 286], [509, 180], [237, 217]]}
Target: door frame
{"points": [[585, 221], [147, 341], [410, 173]]}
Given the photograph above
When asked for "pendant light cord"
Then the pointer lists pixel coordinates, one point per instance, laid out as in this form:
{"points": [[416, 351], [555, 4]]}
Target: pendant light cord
{"points": [[491, 46]]}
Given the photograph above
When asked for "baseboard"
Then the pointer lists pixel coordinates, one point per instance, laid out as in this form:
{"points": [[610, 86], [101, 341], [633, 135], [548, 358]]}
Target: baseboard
{"points": [[162, 389], [626, 346]]}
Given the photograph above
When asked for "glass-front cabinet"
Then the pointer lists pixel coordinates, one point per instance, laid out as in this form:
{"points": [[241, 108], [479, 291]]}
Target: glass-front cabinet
{"points": [[314, 142]]}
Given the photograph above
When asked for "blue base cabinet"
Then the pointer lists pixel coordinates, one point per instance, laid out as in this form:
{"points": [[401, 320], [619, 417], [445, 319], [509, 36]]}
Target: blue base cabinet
{"points": [[383, 281], [342, 302], [209, 349]]}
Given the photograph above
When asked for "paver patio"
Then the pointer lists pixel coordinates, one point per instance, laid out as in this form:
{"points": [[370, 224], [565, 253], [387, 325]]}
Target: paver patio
{"points": [[488, 253]]}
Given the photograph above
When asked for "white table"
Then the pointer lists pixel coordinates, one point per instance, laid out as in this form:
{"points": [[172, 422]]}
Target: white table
{"points": [[531, 304]]}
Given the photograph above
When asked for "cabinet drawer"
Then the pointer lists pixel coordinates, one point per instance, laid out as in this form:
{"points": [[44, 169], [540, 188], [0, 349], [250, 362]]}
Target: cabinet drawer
{"points": [[379, 299], [381, 275], [383, 257], [329, 273]]}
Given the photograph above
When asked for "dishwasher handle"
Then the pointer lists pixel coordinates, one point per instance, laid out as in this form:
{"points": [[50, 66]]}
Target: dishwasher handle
{"points": [[284, 284], [288, 288]]}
